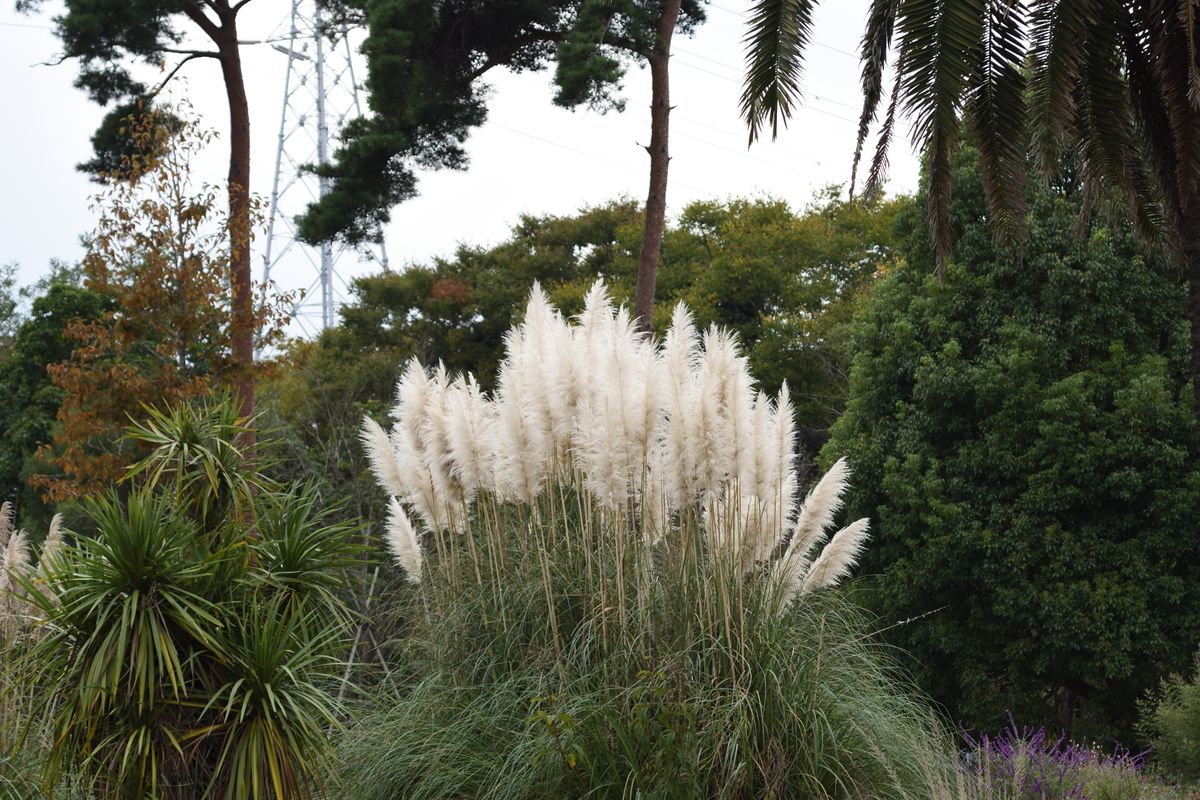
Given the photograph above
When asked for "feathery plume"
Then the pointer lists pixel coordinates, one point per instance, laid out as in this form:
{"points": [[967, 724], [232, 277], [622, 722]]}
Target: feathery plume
{"points": [[677, 438], [403, 542], [714, 423], [14, 562], [783, 444], [654, 508], [838, 557], [816, 515], [469, 431], [6, 523], [383, 458], [50, 547], [435, 442]]}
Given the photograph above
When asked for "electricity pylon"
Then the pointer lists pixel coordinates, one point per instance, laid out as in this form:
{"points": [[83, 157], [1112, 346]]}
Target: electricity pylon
{"points": [[319, 95]]}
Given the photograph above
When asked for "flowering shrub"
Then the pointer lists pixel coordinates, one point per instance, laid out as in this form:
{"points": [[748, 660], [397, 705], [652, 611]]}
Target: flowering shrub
{"points": [[1029, 764]]}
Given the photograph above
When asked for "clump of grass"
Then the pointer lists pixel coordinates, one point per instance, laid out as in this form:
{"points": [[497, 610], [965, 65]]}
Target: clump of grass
{"points": [[614, 592]]}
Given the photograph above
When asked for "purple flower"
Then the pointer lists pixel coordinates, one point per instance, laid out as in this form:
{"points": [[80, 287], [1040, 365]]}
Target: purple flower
{"points": [[1040, 767]]}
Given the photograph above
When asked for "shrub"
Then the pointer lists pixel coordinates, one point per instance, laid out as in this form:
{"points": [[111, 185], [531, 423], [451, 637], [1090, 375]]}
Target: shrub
{"points": [[1170, 721], [1028, 764], [613, 592], [1025, 445], [181, 647]]}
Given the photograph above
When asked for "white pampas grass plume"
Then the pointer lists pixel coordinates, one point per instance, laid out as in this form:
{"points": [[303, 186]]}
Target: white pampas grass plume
{"points": [[654, 508], [14, 562], [783, 445], [677, 438], [383, 458], [6, 523], [435, 441], [838, 557], [618, 417], [403, 542], [51, 546], [16, 554], [522, 443], [469, 431], [816, 515], [743, 526], [713, 419]]}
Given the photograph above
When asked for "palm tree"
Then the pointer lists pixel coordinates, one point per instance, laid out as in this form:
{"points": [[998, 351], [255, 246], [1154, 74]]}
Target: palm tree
{"points": [[1116, 81]]}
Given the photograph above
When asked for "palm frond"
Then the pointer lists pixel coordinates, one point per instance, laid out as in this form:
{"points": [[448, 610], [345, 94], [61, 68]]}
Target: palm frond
{"points": [[1108, 148], [996, 109], [879, 164], [942, 41], [876, 42], [1058, 37], [779, 31]]}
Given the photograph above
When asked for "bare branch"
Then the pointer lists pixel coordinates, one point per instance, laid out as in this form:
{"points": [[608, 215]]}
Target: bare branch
{"points": [[193, 53], [179, 66]]}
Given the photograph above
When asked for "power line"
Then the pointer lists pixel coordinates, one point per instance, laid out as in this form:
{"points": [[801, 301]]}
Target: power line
{"points": [[742, 14], [710, 143], [26, 25], [592, 156]]}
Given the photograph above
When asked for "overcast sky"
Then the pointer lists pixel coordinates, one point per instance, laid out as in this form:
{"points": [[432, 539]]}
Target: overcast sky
{"points": [[529, 158]]}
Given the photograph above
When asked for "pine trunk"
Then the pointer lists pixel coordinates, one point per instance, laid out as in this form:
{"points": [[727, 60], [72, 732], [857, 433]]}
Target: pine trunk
{"points": [[240, 276], [656, 199]]}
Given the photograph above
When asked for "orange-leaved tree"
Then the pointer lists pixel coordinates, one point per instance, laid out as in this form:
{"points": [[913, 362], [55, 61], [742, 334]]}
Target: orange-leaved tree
{"points": [[160, 256]]}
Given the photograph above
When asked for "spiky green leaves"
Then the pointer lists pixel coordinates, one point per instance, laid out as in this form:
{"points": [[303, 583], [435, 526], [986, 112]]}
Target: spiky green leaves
{"points": [[779, 32], [182, 642]]}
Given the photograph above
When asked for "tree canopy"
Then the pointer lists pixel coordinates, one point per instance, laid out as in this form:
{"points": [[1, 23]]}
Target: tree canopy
{"points": [[110, 39], [1115, 81], [31, 404], [425, 62]]}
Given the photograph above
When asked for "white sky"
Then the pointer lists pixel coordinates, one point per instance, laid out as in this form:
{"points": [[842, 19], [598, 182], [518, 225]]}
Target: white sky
{"points": [[530, 157]]}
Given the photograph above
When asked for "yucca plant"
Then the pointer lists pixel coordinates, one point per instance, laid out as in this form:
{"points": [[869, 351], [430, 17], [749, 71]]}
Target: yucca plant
{"points": [[614, 591], [183, 645]]}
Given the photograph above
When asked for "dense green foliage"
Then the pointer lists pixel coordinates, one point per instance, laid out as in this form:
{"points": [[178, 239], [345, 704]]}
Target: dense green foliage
{"points": [[1117, 82], [1021, 436], [1170, 722], [781, 280], [182, 642], [31, 400], [425, 62]]}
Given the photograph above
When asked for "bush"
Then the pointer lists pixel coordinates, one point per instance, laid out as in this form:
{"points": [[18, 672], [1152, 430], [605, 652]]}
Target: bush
{"points": [[1024, 440], [1028, 764], [182, 647], [1170, 721], [613, 593]]}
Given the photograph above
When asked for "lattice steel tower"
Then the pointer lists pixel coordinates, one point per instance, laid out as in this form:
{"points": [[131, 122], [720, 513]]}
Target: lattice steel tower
{"points": [[319, 95]]}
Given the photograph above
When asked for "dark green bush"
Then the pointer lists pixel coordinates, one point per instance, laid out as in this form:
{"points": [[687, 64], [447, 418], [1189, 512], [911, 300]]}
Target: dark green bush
{"points": [[1170, 722]]}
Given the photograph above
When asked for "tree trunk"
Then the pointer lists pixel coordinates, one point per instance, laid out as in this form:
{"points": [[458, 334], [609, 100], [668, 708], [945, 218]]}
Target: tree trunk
{"points": [[240, 276], [656, 200]]}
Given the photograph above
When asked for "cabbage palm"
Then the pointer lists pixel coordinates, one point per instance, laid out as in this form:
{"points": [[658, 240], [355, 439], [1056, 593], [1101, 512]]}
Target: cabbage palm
{"points": [[1116, 81], [188, 634]]}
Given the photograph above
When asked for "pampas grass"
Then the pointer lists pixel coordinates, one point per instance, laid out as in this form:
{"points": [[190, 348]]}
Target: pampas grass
{"points": [[596, 405], [615, 607]]}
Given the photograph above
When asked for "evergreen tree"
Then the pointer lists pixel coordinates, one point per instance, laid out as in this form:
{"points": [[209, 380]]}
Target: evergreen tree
{"points": [[425, 64], [1021, 435]]}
